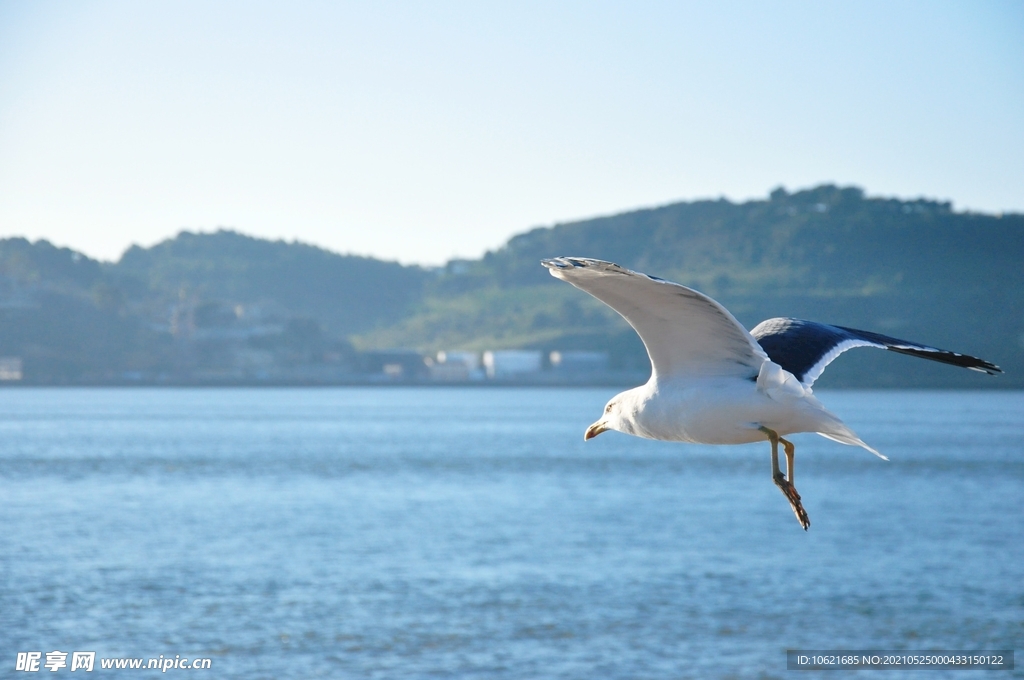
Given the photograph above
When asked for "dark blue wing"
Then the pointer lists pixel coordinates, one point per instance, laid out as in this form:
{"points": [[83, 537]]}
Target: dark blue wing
{"points": [[805, 348]]}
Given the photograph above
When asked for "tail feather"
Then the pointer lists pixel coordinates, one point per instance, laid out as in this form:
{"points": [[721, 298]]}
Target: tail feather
{"points": [[849, 438], [829, 426]]}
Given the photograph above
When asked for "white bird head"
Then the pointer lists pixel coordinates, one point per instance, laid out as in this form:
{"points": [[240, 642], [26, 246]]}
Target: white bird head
{"points": [[618, 415]]}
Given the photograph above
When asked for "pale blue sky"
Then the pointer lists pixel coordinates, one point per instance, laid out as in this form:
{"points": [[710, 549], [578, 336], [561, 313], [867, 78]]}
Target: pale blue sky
{"points": [[423, 131]]}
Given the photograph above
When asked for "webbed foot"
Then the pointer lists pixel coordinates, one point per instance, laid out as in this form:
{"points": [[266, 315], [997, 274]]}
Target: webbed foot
{"points": [[789, 491]]}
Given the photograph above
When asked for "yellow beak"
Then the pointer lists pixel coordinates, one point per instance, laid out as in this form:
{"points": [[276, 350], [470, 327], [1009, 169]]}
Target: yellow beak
{"points": [[594, 430]]}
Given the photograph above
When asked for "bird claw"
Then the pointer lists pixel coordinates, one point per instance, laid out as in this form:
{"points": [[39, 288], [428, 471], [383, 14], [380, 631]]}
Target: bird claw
{"points": [[789, 491]]}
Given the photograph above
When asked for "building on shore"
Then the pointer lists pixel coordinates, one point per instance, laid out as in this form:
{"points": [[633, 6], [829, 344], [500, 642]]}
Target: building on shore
{"points": [[578, 361], [10, 368], [511, 363], [455, 366]]}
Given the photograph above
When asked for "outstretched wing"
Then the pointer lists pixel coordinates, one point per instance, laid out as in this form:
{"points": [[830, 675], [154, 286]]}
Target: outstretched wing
{"points": [[687, 334], [805, 348]]}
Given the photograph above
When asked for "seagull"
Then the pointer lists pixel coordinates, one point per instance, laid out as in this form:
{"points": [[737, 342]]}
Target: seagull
{"points": [[714, 382]]}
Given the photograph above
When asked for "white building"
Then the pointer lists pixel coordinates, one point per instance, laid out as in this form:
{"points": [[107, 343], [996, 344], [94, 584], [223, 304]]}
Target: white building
{"points": [[471, 360], [579, 361], [456, 366], [512, 362], [10, 368]]}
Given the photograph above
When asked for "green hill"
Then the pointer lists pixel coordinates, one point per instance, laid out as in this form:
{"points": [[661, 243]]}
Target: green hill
{"points": [[64, 320], [911, 268], [344, 293], [176, 310], [212, 306]]}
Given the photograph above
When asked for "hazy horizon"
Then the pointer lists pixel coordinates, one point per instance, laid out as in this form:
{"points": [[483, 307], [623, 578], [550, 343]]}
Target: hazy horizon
{"points": [[304, 241]]}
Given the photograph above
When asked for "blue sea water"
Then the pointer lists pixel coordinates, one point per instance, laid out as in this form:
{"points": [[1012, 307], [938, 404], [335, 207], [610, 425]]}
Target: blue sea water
{"points": [[471, 533]]}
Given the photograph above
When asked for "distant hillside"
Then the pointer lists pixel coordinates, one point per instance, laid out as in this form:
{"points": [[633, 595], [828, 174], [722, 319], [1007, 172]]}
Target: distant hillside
{"points": [[914, 268], [178, 311], [344, 293], [224, 306], [64, 320]]}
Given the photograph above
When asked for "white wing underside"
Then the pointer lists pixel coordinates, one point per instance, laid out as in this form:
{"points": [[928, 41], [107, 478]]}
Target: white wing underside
{"points": [[815, 371], [686, 333]]}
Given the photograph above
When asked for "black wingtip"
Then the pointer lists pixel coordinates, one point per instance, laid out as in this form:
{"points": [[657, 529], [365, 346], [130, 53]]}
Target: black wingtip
{"points": [[914, 349], [952, 358]]}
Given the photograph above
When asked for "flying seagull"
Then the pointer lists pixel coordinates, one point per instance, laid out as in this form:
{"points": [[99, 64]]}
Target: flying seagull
{"points": [[713, 382]]}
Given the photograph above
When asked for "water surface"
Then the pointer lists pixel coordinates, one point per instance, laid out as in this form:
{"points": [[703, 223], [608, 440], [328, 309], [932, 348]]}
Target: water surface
{"points": [[471, 533]]}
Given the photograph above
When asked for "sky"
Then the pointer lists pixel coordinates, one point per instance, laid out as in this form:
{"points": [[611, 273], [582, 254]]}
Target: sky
{"points": [[431, 130]]}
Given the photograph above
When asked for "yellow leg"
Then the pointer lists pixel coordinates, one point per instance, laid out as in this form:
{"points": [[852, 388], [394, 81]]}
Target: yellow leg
{"points": [[773, 437], [790, 450], [786, 485]]}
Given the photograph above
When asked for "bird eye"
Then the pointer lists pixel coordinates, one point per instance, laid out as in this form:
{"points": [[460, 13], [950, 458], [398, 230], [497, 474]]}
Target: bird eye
{"points": [[608, 408]]}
